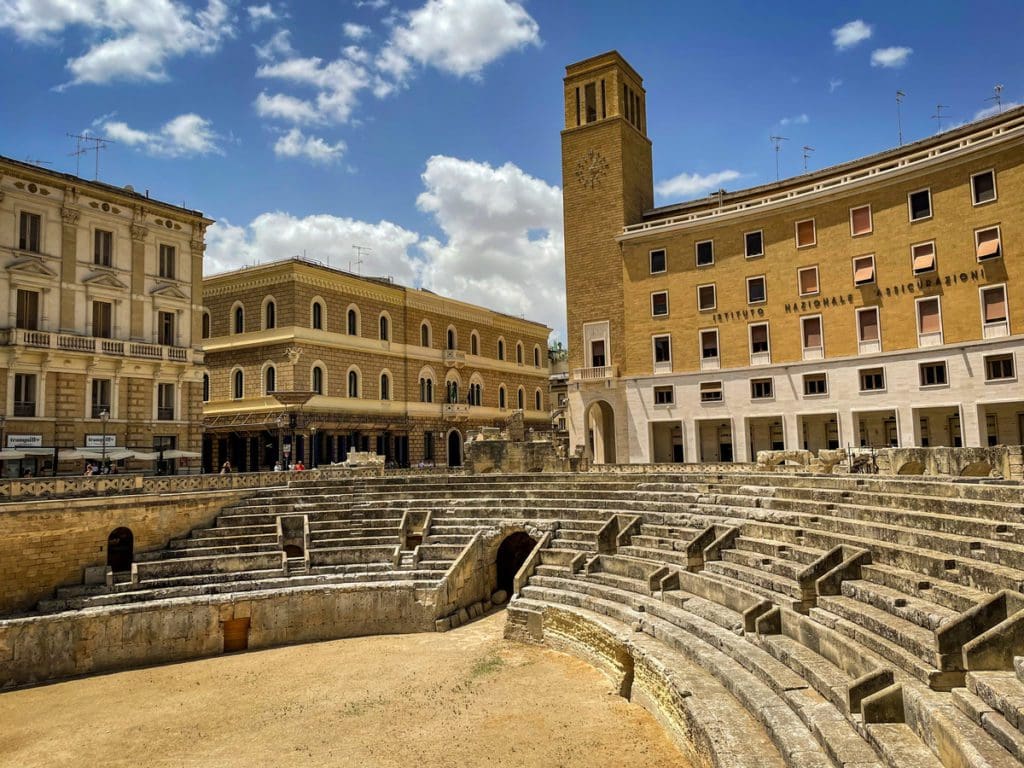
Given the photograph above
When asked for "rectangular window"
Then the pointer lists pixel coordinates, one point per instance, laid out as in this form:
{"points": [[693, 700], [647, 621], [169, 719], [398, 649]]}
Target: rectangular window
{"points": [[815, 384], [706, 297], [929, 322], [860, 221], [597, 354], [810, 328], [761, 389], [999, 368], [103, 248], [995, 317], [590, 102], [100, 397], [663, 396], [166, 329], [27, 315], [658, 261], [165, 402], [428, 446], [868, 334], [662, 354], [753, 243], [922, 257], [705, 253], [808, 280], [759, 339], [933, 374], [920, 204], [983, 187], [102, 319], [986, 243], [711, 392], [709, 344], [863, 270], [872, 379], [659, 304], [167, 258], [29, 227], [24, 394], [756, 290], [806, 234]]}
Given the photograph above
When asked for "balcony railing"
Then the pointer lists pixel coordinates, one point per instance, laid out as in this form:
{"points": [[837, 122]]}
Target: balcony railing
{"points": [[164, 413], [594, 374], [869, 347], [761, 358], [454, 357], [933, 339], [814, 353], [710, 363], [455, 410], [24, 409], [996, 330], [95, 346]]}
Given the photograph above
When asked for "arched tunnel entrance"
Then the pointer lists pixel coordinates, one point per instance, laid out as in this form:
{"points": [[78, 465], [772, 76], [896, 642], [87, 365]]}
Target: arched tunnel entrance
{"points": [[512, 553], [120, 550]]}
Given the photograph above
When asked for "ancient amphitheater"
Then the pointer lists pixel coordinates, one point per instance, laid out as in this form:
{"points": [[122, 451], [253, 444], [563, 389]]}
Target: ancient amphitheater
{"points": [[765, 619]]}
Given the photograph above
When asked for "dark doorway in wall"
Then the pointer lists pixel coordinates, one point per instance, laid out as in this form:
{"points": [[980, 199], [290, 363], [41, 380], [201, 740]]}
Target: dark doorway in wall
{"points": [[292, 550], [236, 635], [120, 549], [512, 553]]}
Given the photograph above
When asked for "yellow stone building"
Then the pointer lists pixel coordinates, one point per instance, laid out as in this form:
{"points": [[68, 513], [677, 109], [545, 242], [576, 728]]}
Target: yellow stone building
{"points": [[306, 362], [101, 288], [875, 303]]}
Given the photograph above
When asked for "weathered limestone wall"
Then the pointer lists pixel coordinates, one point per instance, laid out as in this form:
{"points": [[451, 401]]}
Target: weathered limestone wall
{"points": [[46, 544], [1003, 460], [40, 648]]}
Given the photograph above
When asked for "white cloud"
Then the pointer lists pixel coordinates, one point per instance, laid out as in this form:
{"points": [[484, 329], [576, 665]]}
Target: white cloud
{"points": [[278, 46], [296, 144], [502, 244], [131, 40], [834, 84], [281, 106], [261, 13], [851, 33], [355, 31], [689, 185], [375, 5], [893, 57], [338, 82], [460, 37], [801, 119], [995, 109], [183, 136]]}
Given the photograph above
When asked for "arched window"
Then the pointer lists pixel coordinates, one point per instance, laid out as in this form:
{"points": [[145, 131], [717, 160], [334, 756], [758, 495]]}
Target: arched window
{"points": [[475, 394], [270, 315], [385, 387], [426, 390], [239, 324], [519, 352], [206, 387], [424, 334], [317, 379], [353, 383], [501, 396], [270, 380], [238, 384], [450, 338], [520, 398], [474, 343], [536, 356], [537, 400], [352, 322], [206, 325], [453, 392], [317, 319], [385, 328], [501, 349]]}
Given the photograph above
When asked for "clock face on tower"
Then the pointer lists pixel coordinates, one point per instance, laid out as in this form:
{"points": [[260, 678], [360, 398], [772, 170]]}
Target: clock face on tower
{"points": [[591, 168]]}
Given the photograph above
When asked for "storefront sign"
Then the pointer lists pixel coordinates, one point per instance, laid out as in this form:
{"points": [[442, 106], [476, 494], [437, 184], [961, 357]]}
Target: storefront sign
{"points": [[100, 441], [24, 441]]}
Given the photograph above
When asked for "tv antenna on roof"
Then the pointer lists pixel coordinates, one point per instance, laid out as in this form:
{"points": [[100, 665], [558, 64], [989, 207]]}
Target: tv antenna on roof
{"points": [[37, 161], [900, 95], [938, 114], [997, 98], [777, 141], [807, 154], [97, 142], [361, 250]]}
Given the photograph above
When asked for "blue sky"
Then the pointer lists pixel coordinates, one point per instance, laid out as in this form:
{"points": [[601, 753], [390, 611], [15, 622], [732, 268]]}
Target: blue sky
{"points": [[428, 131]]}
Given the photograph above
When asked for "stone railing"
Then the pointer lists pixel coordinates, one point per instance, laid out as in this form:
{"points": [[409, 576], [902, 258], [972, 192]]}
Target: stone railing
{"points": [[98, 346], [594, 374]]}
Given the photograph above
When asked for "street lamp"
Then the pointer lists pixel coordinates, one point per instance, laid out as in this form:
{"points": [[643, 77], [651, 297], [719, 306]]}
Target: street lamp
{"points": [[312, 447], [104, 416]]}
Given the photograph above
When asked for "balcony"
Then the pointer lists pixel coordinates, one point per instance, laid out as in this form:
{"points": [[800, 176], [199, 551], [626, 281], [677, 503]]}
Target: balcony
{"points": [[595, 374], [454, 358], [96, 346], [869, 347], [996, 329], [710, 363], [761, 358], [455, 411], [933, 339], [814, 353]]}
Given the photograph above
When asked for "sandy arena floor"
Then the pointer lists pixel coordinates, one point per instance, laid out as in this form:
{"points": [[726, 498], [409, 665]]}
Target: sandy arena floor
{"points": [[463, 698]]}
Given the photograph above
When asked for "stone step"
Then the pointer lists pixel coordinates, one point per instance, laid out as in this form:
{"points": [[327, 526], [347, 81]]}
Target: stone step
{"points": [[671, 558], [923, 613], [778, 585], [910, 636], [1002, 692], [779, 549], [757, 561], [954, 597]]}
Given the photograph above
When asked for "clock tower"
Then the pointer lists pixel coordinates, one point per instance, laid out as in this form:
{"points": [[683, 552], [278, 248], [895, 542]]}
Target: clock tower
{"points": [[606, 185]]}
